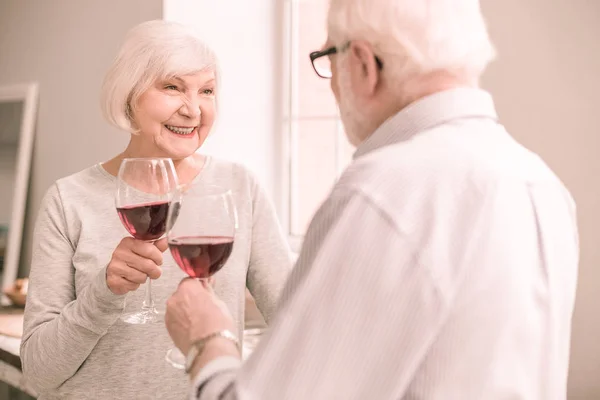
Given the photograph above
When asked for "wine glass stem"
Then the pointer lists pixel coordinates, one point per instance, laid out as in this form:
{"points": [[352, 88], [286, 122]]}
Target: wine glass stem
{"points": [[148, 304]]}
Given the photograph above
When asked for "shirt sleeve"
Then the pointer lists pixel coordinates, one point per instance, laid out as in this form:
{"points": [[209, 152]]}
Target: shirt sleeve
{"points": [[60, 330], [356, 317]]}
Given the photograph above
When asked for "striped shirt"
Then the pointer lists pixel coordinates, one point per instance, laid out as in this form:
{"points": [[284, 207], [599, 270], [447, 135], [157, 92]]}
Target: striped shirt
{"points": [[443, 265]]}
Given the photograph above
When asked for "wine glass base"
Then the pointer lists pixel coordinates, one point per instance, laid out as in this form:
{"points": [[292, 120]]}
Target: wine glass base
{"points": [[151, 316], [175, 358]]}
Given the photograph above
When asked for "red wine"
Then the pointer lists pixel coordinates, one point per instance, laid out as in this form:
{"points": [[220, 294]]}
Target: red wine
{"points": [[201, 257], [145, 221]]}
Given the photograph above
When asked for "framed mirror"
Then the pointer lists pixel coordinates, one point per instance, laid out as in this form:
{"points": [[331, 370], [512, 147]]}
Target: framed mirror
{"points": [[18, 109]]}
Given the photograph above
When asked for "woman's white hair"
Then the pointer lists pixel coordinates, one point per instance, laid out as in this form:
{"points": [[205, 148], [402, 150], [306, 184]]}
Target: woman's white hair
{"points": [[152, 50], [417, 36]]}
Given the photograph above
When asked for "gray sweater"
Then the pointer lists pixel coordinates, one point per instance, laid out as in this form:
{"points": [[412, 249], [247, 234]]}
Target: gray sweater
{"points": [[74, 344]]}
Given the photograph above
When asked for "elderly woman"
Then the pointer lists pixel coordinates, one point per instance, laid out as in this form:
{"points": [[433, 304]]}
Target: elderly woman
{"points": [[162, 89]]}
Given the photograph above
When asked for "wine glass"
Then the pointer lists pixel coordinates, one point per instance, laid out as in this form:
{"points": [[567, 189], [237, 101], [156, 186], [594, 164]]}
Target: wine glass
{"points": [[201, 228], [145, 189]]}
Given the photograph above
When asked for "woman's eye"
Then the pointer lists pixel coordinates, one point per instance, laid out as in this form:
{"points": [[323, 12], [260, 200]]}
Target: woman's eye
{"points": [[171, 87], [208, 92]]}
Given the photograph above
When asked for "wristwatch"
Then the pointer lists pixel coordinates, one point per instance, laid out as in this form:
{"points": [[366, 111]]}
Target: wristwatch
{"points": [[198, 346]]}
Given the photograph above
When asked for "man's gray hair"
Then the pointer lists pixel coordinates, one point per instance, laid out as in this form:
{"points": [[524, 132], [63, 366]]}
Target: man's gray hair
{"points": [[417, 36], [152, 51]]}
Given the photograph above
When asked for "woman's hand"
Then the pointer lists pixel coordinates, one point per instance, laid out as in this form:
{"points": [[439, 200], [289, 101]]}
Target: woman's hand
{"points": [[132, 262]]}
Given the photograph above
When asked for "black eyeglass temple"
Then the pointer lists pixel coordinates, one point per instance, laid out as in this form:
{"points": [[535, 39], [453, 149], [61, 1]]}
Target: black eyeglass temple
{"points": [[318, 54]]}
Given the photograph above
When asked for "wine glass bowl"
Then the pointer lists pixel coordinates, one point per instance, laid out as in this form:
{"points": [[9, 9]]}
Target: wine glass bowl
{"points": [[201, 257], [201, 228], [145, 189], [146, 222]]}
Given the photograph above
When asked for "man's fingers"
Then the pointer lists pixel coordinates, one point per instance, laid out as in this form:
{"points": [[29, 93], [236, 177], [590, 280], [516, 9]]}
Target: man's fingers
{"points": [[212, 281], [190, 285], [208, 284], [185, 280]]}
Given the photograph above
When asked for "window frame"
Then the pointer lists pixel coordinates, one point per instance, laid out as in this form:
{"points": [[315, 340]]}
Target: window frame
{"points": [[288, 162]]}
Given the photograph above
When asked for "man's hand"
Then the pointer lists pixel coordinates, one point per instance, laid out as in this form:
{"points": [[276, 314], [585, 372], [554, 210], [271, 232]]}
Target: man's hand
{"points": [[193, 312]]}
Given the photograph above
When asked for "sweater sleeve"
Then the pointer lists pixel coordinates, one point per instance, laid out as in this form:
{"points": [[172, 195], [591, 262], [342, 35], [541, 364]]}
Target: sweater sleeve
{"points": [[270, 255], [60, 328]]}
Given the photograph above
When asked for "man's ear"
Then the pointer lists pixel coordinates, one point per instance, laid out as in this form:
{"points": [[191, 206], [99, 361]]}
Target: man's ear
{"points": [[365, 72]]}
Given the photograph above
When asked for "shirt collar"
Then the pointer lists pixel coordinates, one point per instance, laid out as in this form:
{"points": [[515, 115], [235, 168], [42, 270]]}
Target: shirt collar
{"points": [[428, 112]]}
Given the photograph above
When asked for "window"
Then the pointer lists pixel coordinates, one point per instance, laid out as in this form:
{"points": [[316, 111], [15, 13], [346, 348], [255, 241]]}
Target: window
{"points": [[316, 148]]}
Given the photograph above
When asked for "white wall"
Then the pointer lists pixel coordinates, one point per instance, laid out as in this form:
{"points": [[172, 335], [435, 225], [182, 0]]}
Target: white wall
{"points": [[546, 84], [66, 46], [246, 38]]}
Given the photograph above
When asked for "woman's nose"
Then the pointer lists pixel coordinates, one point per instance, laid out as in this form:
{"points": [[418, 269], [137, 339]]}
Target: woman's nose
{"points": [[190, 108]]}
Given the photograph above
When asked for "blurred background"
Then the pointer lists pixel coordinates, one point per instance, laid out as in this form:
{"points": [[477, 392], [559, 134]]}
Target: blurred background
{"points": [[280, 120]]}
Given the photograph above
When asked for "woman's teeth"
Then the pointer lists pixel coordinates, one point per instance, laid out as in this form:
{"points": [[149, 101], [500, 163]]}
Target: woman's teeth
{"points": [[180, 131]]}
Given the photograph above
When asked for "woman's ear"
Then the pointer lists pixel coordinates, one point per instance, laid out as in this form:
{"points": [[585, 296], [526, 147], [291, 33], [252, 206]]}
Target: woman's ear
{"points": [[129, 113]]}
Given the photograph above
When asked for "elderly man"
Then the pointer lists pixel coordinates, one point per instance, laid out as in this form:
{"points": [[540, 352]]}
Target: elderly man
{"points": [[443, 265]]}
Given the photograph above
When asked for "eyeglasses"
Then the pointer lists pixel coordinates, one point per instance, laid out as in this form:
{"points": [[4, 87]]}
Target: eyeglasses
{"points": [[322, 64]]}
